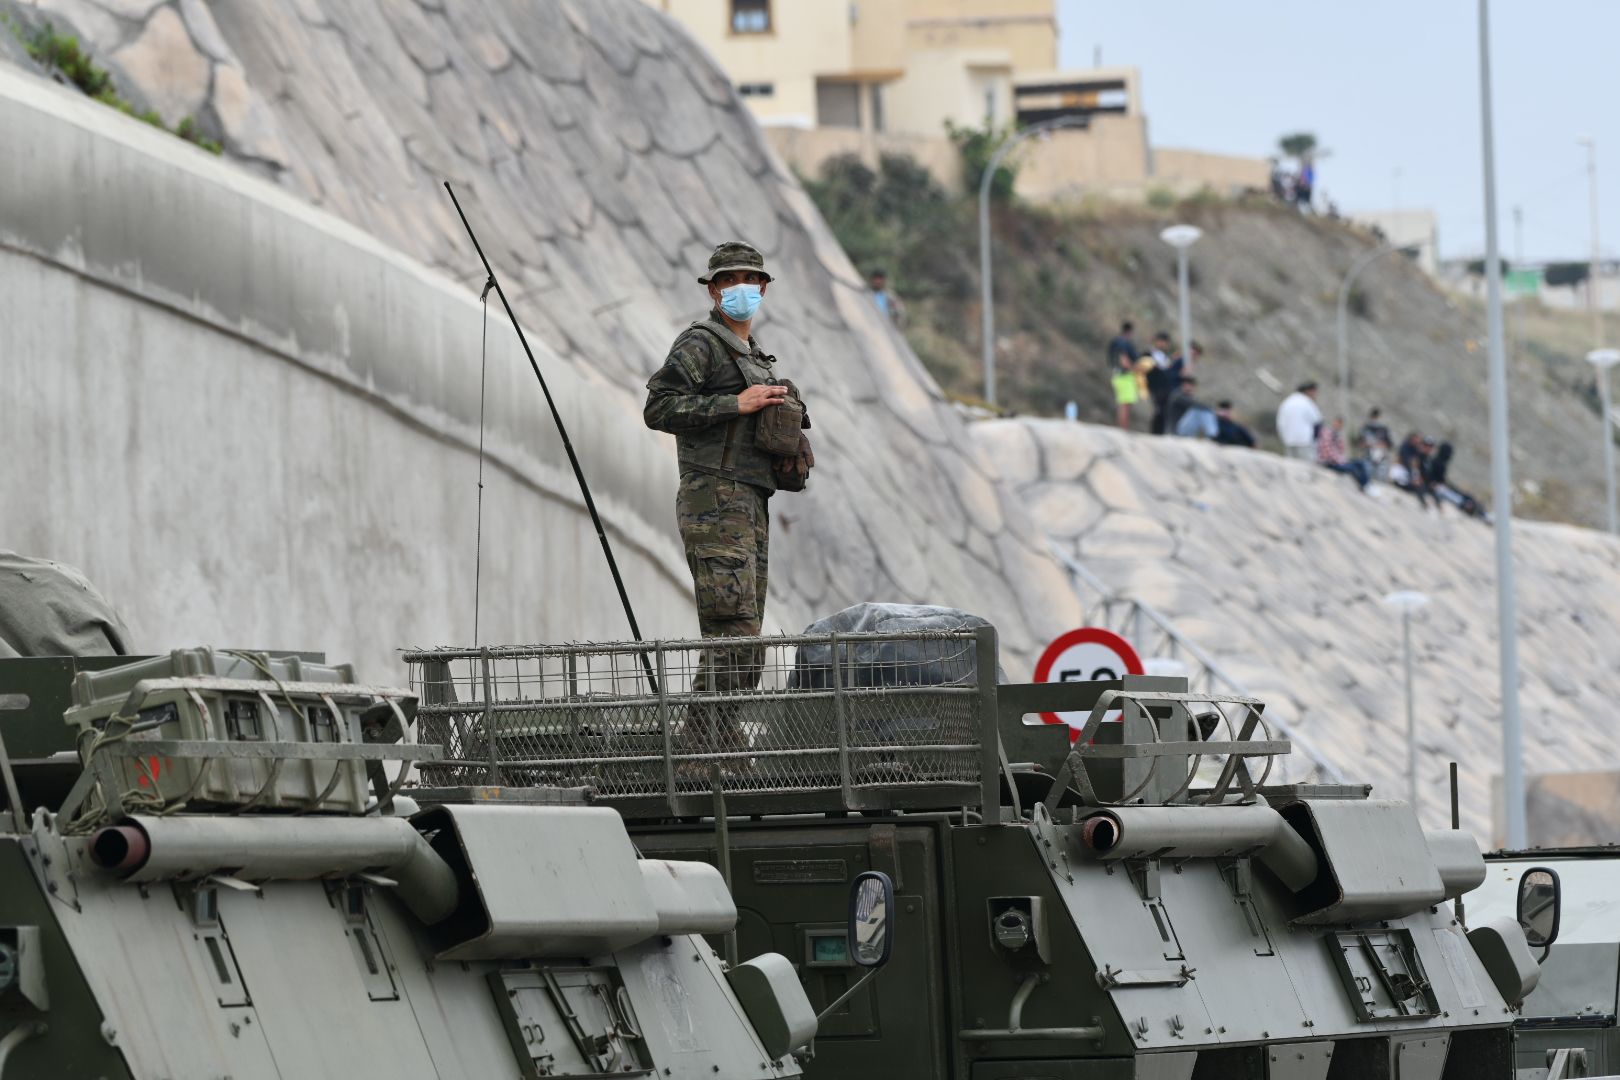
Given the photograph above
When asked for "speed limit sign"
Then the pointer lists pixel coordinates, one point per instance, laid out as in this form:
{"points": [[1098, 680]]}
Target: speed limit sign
{"points": [[1085, 655]]}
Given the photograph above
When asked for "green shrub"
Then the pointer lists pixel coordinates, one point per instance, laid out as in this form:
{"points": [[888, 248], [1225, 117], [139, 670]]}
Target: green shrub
{"points": [[61, 52], [189, 131], [1160, 198], [1563, 273], [976, 147], [896, 217], [1358, 303]]}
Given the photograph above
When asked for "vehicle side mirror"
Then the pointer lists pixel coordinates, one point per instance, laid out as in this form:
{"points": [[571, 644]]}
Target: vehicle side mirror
{"points": [[871, 905], [1541, 901]]}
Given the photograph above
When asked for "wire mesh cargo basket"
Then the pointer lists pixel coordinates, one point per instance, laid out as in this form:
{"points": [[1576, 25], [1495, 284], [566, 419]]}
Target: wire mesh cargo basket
{"points": [[779, 724]]}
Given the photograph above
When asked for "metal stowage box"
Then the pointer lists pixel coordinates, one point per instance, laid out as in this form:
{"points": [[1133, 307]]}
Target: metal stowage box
{"points": [[220, 696]]}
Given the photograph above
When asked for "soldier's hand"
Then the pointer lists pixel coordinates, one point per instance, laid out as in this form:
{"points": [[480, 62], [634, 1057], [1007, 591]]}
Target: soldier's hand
{"points": [[756, 398]]}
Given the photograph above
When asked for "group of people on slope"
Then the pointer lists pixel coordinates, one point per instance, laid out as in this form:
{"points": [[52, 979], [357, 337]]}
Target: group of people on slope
{"points": [[1419, 466], [1296, 189], [1168, 381]]}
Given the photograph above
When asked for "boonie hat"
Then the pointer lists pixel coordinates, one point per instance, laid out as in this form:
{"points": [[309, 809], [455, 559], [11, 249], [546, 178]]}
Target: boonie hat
{"points": [[734, 255]]}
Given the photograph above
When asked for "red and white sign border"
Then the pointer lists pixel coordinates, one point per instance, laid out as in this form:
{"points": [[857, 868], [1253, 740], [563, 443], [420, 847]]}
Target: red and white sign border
{"points": [[1085, 635]]}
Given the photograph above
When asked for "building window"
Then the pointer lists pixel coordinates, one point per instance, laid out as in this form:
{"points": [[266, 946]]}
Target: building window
{"points": [[877, 107], [756, 89], [750, 16], [838, 104]]}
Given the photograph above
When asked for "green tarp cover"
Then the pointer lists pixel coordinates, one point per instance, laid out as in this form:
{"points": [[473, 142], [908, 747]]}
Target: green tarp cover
{"points": [[48, 609]]}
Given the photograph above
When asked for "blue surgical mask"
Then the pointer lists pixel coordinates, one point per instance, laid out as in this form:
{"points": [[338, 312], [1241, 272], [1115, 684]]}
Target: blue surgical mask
{"points": [[740, 301]]}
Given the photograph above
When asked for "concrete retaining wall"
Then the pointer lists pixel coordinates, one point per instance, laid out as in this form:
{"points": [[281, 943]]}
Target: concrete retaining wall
{"points": [[250, 423], [287, 451]]}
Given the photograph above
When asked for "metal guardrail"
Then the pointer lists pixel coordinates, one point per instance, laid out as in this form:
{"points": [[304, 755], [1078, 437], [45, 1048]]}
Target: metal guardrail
{"points": [[793, 724], [1153, 634]]}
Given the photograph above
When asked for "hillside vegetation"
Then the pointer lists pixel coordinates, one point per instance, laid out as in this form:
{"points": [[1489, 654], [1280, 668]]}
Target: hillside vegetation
{"points": [[1265, 283]]}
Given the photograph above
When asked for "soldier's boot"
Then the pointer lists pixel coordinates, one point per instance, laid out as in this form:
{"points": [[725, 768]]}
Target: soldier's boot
{"points": [[711, 729]]}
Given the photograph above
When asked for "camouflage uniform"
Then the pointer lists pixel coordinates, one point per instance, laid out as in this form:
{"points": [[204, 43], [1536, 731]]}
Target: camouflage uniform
{"points": [[722, 504]]}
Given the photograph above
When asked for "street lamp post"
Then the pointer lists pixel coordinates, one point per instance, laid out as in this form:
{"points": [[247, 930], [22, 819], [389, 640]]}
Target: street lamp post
{"points": [[1603, 360], [987, 291], [1182, 237], [1501, 471], [1408, 603], [1592, 300], [1344, 324]]}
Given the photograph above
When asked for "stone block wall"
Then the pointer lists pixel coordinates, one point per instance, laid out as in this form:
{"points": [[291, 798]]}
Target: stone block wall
{"points": [[1279, 568], [601, 155]]}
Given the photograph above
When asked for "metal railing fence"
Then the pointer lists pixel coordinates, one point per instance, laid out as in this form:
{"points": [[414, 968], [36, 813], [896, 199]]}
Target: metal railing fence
{"points": [[841, 721], [1152, 634]]}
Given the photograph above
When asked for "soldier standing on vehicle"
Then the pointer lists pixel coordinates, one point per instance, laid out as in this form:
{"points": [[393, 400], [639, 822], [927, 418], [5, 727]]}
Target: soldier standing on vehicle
{"points": [[738, 437]]}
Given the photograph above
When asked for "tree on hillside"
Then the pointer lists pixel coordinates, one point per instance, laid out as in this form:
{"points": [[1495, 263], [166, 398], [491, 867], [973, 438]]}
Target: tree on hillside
{"points": [[977, 145], [1298, 145], [1476, 267], [1566, 273], [896, 217]]}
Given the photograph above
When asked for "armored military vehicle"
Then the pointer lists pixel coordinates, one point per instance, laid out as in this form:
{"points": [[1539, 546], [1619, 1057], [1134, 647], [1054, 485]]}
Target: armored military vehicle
{"points": [[1566, 899], [1139, 902], [207, 869]]}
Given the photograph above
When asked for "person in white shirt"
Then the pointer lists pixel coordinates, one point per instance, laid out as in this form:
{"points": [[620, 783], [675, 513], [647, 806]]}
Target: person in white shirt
{"points": [[1298, 418]]}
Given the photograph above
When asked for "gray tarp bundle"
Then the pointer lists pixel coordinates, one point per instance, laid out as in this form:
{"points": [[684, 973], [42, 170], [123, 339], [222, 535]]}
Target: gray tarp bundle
{"points": [[926, 662], [47, 609]]}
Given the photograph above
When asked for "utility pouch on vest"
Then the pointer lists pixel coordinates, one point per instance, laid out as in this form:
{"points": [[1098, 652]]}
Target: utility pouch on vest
{"points": [[793, 473], [777, 430]]}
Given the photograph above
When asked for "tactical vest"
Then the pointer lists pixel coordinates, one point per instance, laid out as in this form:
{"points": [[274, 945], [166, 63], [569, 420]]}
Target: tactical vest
{"points": [[727, 449]]}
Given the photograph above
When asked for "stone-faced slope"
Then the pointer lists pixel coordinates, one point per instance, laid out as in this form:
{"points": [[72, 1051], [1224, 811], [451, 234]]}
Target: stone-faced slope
{"points": [[1278, 569], [602, 154]]}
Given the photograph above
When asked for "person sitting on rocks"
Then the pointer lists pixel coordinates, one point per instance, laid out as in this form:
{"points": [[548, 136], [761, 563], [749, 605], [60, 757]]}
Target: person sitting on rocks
{"points": [[1410, 470], [1330, 454], [1228, 432], [1435, 473], [1187, 416], [1375, 443], [1375, 433]]}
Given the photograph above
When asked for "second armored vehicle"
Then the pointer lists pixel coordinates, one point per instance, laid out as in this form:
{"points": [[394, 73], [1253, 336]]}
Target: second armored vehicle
{"points": [[1140, 903]]}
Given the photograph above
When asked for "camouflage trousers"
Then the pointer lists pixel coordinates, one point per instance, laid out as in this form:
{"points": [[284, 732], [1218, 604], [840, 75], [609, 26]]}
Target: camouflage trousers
{"points": [[725, 528]]}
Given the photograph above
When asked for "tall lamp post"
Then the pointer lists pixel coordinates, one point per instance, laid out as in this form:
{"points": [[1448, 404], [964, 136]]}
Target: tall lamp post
{"points": [[1408, 603], [1501, 471], [1603, 360], [1592, 299], [1182, 237], [1344, 322], [987, 291]]}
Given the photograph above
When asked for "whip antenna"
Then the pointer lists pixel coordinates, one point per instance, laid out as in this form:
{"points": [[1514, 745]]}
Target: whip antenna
{"points": [[483, 378], [556, 418]]}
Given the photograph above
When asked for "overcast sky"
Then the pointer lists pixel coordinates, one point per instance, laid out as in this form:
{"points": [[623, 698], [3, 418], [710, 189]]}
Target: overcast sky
{"points": [[1388, 85]]}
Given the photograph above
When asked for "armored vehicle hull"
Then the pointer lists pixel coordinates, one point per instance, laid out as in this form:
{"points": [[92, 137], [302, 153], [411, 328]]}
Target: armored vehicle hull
{"points": [[1228, 988], [1136, 904], [161, 929], [1568, 1025]]}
